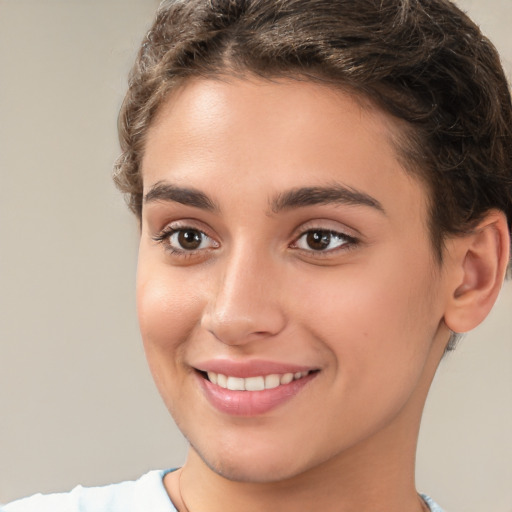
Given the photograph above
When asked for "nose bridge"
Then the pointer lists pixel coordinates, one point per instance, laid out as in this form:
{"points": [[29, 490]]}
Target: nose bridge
{"points": [[245, 304]]}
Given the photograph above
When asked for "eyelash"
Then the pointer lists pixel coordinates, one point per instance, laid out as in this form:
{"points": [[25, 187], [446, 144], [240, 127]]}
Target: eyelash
{"points": [[164, 238], [348, 242]]}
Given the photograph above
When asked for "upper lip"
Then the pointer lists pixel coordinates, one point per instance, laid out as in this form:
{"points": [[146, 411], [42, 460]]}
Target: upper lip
{"points": [[251, 368]]}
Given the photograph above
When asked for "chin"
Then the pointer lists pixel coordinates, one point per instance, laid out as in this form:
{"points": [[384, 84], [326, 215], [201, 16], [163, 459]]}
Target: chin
{"points": [[250, 471], [253, 464]]}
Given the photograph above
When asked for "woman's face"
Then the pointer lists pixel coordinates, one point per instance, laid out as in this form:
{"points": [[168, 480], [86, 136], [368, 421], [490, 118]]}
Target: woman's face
{"points": [[284, 250]]}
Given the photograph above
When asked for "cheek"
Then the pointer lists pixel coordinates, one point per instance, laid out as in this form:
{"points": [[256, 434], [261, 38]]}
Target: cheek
{"points": [[374, 316], [169, 309], [375, 328]]}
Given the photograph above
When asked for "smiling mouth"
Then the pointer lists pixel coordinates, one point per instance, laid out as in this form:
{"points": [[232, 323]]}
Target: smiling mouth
{"points": [[252, 390], [257, 383]]}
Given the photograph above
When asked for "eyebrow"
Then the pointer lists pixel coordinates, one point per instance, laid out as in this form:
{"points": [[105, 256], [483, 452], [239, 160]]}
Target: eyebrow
{"points": [[184, 195], [295, 198], [311, 196]]}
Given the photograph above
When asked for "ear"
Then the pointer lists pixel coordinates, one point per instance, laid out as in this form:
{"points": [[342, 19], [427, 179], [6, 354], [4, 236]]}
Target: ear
{"points": [[479, 262]]}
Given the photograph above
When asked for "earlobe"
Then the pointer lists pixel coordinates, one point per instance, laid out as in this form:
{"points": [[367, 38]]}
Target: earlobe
{"points": [[480, 262]]}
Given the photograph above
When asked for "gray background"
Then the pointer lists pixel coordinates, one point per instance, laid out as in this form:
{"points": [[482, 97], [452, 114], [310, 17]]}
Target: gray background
{"points": [[77, 404]]}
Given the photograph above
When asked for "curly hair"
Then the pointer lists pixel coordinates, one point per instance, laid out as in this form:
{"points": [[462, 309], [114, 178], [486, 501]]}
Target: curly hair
{"points": [[425, 63]]}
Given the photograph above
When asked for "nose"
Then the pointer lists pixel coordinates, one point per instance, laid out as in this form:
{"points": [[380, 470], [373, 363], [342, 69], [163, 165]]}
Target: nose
{"points": [[245, 304]]}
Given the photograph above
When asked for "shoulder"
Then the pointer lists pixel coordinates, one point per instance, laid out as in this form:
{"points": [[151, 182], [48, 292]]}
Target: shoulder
{"points": [[146, 493]]}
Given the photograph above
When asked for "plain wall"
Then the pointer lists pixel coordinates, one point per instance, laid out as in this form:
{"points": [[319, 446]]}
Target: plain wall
{"points": [[77, 404]]}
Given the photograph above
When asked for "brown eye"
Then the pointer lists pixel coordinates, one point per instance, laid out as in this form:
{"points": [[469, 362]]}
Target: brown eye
{"points": [[190, 239], [323, 240], [183, 240], [318, 240]]}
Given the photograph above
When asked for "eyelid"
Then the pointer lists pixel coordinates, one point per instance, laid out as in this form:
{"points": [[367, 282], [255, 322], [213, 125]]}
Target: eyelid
{"points": [[180, 224], [326, 225]]}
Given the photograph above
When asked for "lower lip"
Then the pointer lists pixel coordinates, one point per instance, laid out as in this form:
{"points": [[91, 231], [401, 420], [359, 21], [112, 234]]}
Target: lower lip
{"points": [[252, 403]]}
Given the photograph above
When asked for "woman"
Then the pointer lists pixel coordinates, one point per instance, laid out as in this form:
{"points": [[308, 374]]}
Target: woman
{"points": [[324, 193]]}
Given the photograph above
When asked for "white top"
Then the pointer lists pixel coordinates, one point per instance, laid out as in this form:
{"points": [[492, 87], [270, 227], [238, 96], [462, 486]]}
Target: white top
{"points": [[147, 494]]}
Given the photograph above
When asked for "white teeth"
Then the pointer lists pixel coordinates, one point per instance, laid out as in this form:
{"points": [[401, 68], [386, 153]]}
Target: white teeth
{"points": [[235, 384], [272, 381], [254, 383], [287, 378], [222, 381]]}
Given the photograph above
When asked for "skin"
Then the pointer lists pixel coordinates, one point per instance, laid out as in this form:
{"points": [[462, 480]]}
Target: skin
{"points": [[367, 313]]}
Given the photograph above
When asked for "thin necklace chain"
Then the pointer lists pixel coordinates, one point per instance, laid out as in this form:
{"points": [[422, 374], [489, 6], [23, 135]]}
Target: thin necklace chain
{"points": [[185, 509], [424, 506]]}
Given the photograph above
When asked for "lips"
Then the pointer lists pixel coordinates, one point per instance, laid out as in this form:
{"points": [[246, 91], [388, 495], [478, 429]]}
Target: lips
{"points": [[251, 388]]}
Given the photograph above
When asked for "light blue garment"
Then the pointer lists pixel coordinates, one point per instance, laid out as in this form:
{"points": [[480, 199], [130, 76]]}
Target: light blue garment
{"points": [[434, 507], [147, 494]]}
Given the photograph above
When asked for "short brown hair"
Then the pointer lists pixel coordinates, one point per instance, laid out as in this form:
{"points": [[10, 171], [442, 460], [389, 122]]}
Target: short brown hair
{"points": [[424, 62]]}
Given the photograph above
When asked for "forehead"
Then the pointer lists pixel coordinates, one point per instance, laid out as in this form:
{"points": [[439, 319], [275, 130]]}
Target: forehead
{"points": [[264, 136], [204, 104]]}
